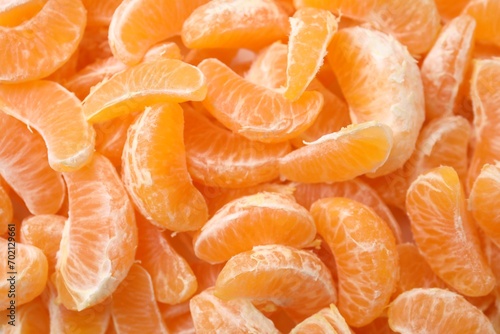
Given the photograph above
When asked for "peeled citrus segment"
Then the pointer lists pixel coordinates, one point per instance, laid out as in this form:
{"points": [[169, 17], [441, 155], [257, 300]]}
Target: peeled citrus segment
{"points": [[133, 307], [102, 69], [227, 159], [173, 280], [99, 13], [275, 273], [155, 174], [444, 68], [27, 272], [6, 210], [485, 100], [45, 233], [445, 233], [94, 46], [436, 311], [31, 317], [365, 253], [218, 197], [448, 9], [339, 156], [483, 201], [268, 69], [24, 165], [253, 111], [306, 194], [57, 115], [248, 24], [367, 63], [416, 25], [254, 220], [163, 50], [43, 43], [212, 314], [99, 238], [137, 25], [15, 12], [311, 31], [414, 271], [486, 13], [164, 80], [442, 142], [327, 321]]}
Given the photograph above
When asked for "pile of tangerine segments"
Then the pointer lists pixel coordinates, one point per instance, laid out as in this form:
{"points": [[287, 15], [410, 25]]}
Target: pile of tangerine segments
{"points": [[250, 166]]}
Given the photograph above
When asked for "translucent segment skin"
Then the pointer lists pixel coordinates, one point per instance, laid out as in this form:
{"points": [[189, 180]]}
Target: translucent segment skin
{"points": [[271, 273], [260, 219], [366, 257], [155, 174], [486, 13], [445, 233], [6, 210], [415, 25], [436, 311], [361, 59], [327, 321]]}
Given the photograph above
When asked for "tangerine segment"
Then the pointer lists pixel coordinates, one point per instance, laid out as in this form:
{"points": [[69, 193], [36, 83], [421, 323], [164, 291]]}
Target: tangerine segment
{"points": [[43, 43], [340, 156], [57, 115], [485, 101], [443, 141], [486, 13], [275, 273], [24, 165], [99, 13], [415, 25], [173, 280], [30, 265], [228, 160], [137, 25], [444, 68], [327, 321], [99, 238], [211, 314], [15, 12], [414, 272], [165, 50], [260, 219], [253, 111], [448, 9], [483, 201], [250, 24], [445, 233], [31, 317], [311, 31], [436, 311], [306, 194], [45, 233], [163, 80], [155, 174], [268, 69], [365, 254], [6, 210], [368, 62], [133, 307]]}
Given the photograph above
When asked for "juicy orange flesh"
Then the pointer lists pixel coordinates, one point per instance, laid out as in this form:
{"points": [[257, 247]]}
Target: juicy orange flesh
{"points": [[259, 166]]}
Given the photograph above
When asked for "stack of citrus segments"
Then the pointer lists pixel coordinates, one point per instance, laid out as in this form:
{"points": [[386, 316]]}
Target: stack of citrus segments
{"points": [[250, 166]]}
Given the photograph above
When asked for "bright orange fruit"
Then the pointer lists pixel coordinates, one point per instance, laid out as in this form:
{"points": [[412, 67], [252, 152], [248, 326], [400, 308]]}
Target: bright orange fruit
{"points": [[380, 81], [15, 12], [30, 318], [483, 201], [6, 210], [275, 273], [340, 156], [486, 13], [260, 219], [253, 111], [365, 253], [24, 166], [415, 25], [311, 31], [163, 80], [69, 139], [327, 320], [250, 24], [41, 46], [133, 305], [436, 311], [99, 238], [445, 233], [99, 13], [272, 57], [155, 174], [228, 160], [212, 314], [448, 9]]}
